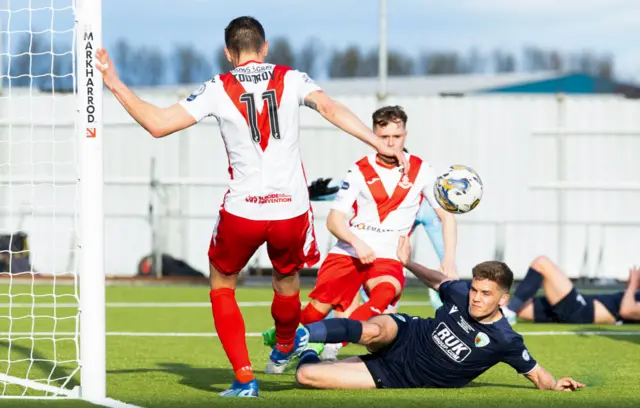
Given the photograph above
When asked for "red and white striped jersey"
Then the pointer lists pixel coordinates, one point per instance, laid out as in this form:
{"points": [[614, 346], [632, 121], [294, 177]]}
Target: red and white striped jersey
{"points": [[384, 202], [257, 106]]}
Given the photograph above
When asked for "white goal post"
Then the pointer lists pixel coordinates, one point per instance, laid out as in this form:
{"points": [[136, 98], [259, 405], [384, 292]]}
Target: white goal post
{"points": [[51, 131], [91, 136]]}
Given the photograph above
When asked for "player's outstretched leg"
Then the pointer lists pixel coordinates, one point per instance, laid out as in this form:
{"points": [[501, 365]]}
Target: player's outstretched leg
{"points": [[331, 351], [524, 291], [350, 373], [230, 327], [556, 285], [384, 289]]}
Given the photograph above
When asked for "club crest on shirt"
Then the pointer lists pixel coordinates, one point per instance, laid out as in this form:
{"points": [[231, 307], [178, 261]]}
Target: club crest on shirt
{"points": [[405, 183], [481, 340]]}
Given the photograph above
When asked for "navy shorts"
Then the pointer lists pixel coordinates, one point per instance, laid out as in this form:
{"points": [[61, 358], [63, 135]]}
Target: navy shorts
{"points": [[573, 308], [388, 364]]}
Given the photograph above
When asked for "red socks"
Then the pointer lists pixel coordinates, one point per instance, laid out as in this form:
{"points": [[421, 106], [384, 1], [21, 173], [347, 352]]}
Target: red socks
{"points": [[379, 299], [285, 311], [311, 315], [229, 325]]}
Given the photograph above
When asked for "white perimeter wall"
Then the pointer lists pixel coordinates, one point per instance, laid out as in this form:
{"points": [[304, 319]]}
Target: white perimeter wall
{"points": [[492, 133]]}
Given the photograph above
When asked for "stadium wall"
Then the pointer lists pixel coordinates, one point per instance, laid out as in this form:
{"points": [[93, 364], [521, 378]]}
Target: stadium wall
{"points": [[498, 135]]}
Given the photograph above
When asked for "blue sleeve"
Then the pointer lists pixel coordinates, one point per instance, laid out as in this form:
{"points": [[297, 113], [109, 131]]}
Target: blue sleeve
{"points": [[454, 291], [518, 357], [428, 218]]}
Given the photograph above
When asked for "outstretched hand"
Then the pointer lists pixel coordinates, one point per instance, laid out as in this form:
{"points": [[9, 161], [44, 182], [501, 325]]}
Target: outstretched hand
{"points": [[567, 384], [105, 65]]}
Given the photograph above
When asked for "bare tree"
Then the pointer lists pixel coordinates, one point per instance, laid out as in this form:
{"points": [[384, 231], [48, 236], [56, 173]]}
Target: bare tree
{"points": [[344, 64], [191, 66], [150, 68], [399, 64], [123, 56], [221, 60], [441, 62], [29, 59], [308, 56], [503, 61], [474, 62], [281, 52]]}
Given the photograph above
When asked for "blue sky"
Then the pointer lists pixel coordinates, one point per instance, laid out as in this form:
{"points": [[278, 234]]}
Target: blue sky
{"points": [[604, 26]]}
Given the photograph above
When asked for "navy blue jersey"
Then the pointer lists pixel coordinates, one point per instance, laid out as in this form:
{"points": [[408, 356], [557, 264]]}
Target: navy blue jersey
{"points": [[452, 349]]}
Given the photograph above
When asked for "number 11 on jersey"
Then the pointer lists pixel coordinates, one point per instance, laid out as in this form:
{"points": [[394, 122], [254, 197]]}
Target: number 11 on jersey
{"points": [[257, 119]]}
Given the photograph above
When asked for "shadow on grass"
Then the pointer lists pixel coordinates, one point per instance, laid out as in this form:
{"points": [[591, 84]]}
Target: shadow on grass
{"points": [[493, 385], [40, 362], [210, 379]]}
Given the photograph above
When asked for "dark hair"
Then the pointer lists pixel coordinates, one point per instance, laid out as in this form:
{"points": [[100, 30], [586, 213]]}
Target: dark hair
{"points": [[495, 271], [387, 114], [244, 34]]}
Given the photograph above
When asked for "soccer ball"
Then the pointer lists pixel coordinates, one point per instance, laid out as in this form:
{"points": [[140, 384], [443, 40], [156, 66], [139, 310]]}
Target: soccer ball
{"points": [[458, 190]]}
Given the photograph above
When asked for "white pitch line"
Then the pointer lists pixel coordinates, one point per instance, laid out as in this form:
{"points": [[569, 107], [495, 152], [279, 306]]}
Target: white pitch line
{"points": [[256, 334], [161, 304], [112, 403]]}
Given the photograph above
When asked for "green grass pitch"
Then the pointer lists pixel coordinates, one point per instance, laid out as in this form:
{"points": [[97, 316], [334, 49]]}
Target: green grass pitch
{"points": [[164, 371]]}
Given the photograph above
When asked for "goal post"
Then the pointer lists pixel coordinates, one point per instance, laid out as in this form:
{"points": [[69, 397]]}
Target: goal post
{"points": [[90, 135], [52, 278]]}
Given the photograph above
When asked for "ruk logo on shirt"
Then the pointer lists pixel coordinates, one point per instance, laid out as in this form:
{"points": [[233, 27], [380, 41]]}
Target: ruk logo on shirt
{"points": [[450, 344]]}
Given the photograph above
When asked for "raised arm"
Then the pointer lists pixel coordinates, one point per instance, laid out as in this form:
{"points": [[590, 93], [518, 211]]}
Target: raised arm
{"points": [[340, 116], [543, 380], [629, 308], [429, 277], [159, 122]]}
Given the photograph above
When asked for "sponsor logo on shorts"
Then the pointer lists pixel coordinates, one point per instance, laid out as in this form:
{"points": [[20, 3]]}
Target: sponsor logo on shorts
{"points": [[450, 344], [269, 199]]}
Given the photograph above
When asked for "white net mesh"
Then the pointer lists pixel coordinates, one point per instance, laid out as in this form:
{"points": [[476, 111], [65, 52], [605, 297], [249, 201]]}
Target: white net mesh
{"points": [[39, 195]]}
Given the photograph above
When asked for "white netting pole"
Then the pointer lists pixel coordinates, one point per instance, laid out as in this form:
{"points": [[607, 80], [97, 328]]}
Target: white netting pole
{"points": [[92, 280]]}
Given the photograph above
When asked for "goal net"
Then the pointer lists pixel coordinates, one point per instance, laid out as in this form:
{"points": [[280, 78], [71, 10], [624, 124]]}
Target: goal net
{"points": [[51, 337]]}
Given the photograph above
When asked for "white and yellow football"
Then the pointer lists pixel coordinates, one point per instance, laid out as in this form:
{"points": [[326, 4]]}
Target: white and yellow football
{"points": [[459, 189]]}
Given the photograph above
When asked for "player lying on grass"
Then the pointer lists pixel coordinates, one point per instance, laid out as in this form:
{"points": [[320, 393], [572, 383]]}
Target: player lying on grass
{"points": [[385, 202], [467, 336], [562, 303], [257, 106]]}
